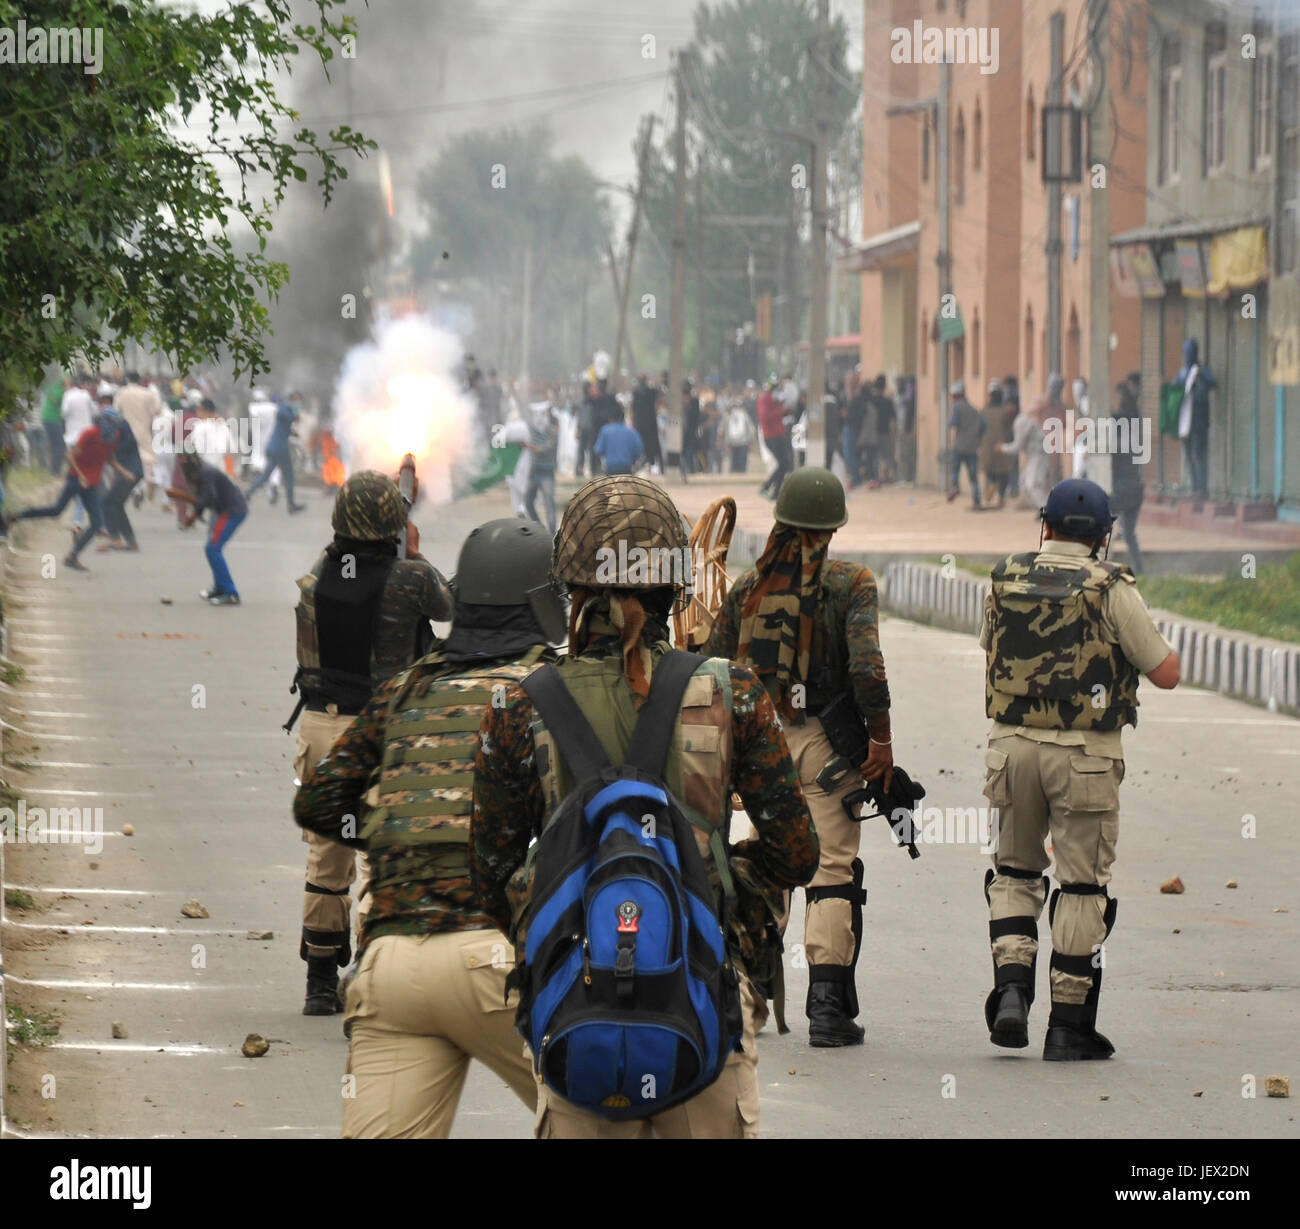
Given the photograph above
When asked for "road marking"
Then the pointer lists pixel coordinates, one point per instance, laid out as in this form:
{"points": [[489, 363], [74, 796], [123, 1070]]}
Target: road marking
{"points": [[131, 1047], [58, 983], [89, 793], [77, 738], [25, 887], [77, 928], [59, 713]]}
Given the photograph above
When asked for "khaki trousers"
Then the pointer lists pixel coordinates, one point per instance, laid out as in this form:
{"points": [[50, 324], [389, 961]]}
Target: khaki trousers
{"points": [[331, 867], [828, 924], [727, 1109], [1047, 790], [422, 1006]]}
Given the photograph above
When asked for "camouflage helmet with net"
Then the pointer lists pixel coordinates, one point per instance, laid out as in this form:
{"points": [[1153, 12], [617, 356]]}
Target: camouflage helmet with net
{"points": [[622, 532], [812, 498], [369, 508]]}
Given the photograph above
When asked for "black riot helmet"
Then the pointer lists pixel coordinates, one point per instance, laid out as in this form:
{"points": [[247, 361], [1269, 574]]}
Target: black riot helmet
{"points": [[508, 563], [1079, 509]]}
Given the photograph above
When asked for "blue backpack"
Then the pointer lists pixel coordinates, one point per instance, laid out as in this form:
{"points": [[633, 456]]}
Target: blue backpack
{"points": [[627, 995]]}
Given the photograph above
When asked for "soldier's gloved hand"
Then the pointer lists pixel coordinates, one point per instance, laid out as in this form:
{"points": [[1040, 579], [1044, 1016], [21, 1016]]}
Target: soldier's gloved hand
{"points": [[879, 761]]}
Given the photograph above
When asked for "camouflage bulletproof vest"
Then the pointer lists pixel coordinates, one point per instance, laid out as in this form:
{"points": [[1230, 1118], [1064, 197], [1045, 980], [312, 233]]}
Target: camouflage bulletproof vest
{"points": [[698, 770], [336, 652], [1048, 664], [420, 829]]}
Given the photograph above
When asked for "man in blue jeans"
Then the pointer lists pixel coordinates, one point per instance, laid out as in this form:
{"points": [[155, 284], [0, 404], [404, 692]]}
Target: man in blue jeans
{"points": [[86, 460], [217, 494], [965, 427], [279, 455]]}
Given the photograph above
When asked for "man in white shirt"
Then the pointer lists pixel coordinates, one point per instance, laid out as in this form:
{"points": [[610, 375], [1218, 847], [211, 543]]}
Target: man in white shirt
{"points": [[138, 402], [78, 409]]}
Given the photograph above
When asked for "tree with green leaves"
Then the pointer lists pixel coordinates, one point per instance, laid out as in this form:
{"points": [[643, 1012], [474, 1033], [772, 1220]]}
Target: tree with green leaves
{"points": [[123, 182], [496, 202], [751, 88]]}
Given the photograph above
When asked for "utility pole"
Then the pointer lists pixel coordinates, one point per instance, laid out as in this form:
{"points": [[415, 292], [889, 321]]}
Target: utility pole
{"points": [[944, 257], [582, 326], [677, 291], [1056, 26], [647, 128], [620, 296], [1099, 227], [526, 329], [815, 438], [699, 267]]}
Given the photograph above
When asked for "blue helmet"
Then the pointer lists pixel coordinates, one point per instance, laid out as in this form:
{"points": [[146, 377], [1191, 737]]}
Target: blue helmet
{"points": [[1079, 509]]}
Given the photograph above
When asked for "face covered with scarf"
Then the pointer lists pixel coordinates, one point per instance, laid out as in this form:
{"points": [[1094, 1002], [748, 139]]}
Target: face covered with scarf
{"points": [[638, 619], [776, 622]]}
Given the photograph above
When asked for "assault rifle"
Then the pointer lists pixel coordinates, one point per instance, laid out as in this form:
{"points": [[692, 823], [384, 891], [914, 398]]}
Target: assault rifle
{"points": [[409, 485], [847, 733], [896, 805]]}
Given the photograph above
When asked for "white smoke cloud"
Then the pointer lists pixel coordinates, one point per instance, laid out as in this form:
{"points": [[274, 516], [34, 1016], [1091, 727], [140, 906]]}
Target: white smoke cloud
{"points": [[402, 393]]}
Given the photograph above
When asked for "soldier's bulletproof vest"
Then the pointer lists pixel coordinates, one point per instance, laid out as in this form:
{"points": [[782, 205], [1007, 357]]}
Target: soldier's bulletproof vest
{"points": [[1048, 665], [338, 616], [698, 770], [419, 831]]}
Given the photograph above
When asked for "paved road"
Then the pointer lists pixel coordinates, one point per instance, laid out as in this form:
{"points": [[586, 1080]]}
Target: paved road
{"points": [[108, 716]]}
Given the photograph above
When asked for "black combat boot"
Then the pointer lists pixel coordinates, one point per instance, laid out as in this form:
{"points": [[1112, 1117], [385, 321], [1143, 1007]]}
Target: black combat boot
{"points": [[829, 1021], [322, 986], [1072, 1034], [1006, 1010]]}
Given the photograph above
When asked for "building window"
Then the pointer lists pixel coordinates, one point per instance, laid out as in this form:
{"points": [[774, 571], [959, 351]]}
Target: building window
{"points": [[1030, 115], [1029, 342], [1171, 109], [977, 145], [1216, 75], [925, 343], [925, 151], [1288, 254], [1265, 96], [959, 159], [975, 345]]}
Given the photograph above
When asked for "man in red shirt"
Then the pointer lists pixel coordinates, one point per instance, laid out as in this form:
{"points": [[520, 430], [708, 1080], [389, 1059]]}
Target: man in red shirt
{"points": [[771, 422], [86, 461]]}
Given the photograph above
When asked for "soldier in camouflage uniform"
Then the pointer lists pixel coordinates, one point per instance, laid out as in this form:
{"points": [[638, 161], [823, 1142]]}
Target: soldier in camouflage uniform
{"points": [[363, 615], [430, 989], [1067, 636], [807, 626], [728, 739]]}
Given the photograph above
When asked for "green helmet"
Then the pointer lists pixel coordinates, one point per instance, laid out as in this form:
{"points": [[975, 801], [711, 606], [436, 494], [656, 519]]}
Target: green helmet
{"points": [[622, 532], [369, 507], [812, 498], [508, 563]]}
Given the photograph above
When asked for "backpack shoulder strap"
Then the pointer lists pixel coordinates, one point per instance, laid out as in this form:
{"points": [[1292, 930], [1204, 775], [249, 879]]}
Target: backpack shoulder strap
{"points": [[654, 725], [574, 738]]}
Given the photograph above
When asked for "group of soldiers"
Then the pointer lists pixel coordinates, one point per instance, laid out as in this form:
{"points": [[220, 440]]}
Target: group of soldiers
{"points": [[435, 762]]}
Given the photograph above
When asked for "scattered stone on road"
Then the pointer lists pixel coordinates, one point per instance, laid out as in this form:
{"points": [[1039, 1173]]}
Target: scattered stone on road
{"points": [[1277, 1085], [261, 934], [254, 1046], [128, 830], [1173, 887], [119, 1030], [192, 908], [1232, 883]]}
